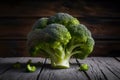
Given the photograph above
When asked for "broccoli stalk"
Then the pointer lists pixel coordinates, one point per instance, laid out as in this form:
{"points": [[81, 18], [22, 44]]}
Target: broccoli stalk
{"points": [[60, 37]]}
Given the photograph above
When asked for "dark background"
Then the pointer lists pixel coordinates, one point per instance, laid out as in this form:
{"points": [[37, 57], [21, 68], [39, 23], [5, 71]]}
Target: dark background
{"points": [[102, 17]]}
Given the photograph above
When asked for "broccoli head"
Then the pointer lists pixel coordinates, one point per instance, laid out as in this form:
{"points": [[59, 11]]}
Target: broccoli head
{"points": [[60, 37]]}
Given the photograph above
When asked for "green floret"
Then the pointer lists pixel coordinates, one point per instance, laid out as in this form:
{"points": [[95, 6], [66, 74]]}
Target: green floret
{"points": [[64, 19], [85, 48], [58, 32], [34, 39], [40, 24], [81, 43], [61, 37], [79, 33]]}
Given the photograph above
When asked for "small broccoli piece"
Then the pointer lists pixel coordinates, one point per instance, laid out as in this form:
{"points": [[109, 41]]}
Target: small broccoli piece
{"points": [[84, 67], [30, 68], [17, 65], [61, 37]]}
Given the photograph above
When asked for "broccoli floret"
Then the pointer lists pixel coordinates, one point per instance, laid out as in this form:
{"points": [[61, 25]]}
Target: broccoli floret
{"points": [[64, 19], [81, 43], [40, 23], [61, 37]]}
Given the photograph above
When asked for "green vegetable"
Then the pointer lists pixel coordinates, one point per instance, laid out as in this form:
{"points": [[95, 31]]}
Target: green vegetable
{"points": [[84, 67], [17, 65], [30, 68], [41, 23], [61, 37], [64, 19]]}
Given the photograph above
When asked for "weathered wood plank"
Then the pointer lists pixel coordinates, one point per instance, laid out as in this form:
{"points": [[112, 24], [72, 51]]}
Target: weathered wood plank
{"points": [[111, 64], [6, 64], [62, 74], [109, 67], [118, 58], [30, 8], [103, 68], [21, 74], [94, 73], [21, 60], [4, 68], [18, 28]]}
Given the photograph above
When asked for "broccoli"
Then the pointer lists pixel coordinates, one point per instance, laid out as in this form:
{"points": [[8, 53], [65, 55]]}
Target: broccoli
{"points": [[64, 19], [84, 67], [17, 65], [30, 68], [41, 23], [60, 37]]}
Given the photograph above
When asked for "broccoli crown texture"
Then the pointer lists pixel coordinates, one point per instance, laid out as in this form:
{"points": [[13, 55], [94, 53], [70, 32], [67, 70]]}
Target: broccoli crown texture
{"points": [[41, 23], [60, 37], [63, 18]]}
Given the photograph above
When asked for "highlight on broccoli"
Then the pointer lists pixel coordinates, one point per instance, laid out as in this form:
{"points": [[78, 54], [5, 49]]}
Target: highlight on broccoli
{"points": [[59, 37], [30, 68]]}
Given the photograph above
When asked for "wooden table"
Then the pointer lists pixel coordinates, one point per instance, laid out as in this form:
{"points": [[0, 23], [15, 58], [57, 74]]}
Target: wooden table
{"points": [[101, 68]]}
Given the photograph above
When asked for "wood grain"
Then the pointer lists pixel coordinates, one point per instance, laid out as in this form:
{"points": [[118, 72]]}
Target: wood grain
{"points": [[94, 73], [6, 64], [117, 58], [62, 74], [20, 74], [111, 69], [46, 8], [100, 68]]}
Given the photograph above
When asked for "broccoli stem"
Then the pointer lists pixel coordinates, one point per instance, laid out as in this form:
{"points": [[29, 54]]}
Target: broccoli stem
{"points": [[73, 47], [61, 60], [60, 63], [58, 57], [76, 52]]}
